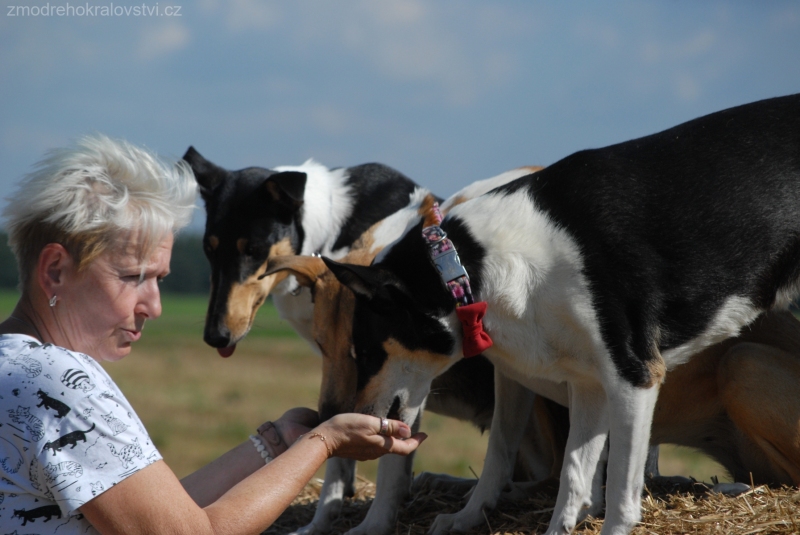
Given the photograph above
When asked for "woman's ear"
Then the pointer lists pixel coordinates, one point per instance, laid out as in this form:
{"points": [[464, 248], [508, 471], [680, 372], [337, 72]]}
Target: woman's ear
{"points": [[54, 264]]}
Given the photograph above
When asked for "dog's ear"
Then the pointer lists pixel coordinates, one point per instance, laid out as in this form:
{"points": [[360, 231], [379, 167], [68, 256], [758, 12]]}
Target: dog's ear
{"points": [[365, 281], [287, 187], [207, 174], [306, 269]]}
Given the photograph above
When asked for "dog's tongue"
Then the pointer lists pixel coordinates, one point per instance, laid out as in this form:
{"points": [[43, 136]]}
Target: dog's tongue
{"points": [[226, 352]]}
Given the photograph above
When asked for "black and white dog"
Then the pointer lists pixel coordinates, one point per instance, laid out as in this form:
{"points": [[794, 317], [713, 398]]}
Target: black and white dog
{"points": [[601, 272], [255, 214]]}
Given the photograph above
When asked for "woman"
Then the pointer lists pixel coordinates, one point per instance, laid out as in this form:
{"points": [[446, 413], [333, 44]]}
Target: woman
{"points": [[92, 231]]}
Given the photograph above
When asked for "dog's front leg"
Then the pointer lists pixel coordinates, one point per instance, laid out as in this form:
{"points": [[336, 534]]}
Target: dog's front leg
{"points": [[513, 404], [581, 474], [391, 488], [340, 475], [630, 417]]}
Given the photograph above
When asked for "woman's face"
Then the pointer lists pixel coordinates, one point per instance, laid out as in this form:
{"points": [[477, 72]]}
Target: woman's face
{"points": [[102, 309]]}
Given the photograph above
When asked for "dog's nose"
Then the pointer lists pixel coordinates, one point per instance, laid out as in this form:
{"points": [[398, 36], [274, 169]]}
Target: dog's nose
{"points": [[216, 338]]}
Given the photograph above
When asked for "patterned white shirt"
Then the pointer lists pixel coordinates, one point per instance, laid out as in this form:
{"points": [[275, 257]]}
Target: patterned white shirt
{"points": [[67, 434]]}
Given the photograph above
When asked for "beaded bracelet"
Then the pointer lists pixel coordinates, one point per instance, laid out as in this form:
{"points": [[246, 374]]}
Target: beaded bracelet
{"points": [[261, 448]]}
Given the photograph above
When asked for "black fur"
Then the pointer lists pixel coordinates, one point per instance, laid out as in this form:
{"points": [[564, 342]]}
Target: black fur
{"points": [[470, 383], [265, 207], [673, 224], [378, 191]]}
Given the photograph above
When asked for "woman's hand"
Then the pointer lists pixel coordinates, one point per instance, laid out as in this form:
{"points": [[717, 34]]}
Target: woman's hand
{"points": [[357, 436]]}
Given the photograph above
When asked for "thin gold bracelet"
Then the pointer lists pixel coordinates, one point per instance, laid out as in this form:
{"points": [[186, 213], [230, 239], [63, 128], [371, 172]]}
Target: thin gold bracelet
{"points": [[324, 441]]}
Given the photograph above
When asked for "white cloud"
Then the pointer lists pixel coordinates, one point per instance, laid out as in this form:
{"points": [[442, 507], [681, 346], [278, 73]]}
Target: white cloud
{"points": [[329, 120], [411, 41], [159, 41], [252, 14], [598, 33], [786, 19], [686, 87], [702, 42], [403, 40]]}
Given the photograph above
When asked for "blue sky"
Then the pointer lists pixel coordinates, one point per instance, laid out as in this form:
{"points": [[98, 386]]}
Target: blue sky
{"points": [[447, 92]]}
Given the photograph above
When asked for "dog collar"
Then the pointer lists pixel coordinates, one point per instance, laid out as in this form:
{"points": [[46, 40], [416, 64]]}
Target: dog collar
{"points": [[448, 264]]}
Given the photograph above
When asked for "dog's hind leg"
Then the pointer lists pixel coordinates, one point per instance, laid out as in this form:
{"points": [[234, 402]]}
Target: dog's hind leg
{"points": [[394, 482], [630, 416], [340, 475], [513, 405], [758, 386], [581, 474]]}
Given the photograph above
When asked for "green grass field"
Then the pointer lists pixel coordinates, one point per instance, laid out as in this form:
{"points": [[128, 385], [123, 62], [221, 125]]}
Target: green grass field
{"points": [[197, 405]]}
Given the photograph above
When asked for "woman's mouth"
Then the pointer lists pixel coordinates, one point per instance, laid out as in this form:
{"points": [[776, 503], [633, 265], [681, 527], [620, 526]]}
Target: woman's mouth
{"points": [[132, 335]]}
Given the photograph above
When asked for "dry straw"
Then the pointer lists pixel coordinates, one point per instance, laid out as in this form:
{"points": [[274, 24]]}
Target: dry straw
{"points": [[666, 510]]}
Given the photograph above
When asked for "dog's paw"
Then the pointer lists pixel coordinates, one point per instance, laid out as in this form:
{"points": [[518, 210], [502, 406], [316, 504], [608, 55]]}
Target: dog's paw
{"points": [[458, 522], [371, 529], [730, 489], [514, 493], [429, 481], [311, 529]]}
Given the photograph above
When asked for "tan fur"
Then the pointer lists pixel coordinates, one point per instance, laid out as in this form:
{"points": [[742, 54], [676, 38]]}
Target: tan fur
{"points": [[246, 298], [241, 244], [657, 370], [332, 323], [750, 383], [213, 242], [426, 210], [458, 200], [532, 168], [305, 269]]}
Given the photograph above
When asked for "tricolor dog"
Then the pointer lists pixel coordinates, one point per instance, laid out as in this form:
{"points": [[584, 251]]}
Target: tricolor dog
{"points": [[463, 392], [600, 273], [255, 214]]}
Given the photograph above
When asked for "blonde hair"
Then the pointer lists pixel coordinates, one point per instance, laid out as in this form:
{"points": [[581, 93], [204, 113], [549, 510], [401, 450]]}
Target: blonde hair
{"points": [[92, 196]]}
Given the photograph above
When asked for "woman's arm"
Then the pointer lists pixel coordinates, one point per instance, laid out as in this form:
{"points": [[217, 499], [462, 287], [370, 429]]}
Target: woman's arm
{"points": [[153, 500], [210, 482]]}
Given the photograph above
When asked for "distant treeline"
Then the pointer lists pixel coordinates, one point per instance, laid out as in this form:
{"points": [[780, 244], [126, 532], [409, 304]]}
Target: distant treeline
{"points": [[189, 271]]}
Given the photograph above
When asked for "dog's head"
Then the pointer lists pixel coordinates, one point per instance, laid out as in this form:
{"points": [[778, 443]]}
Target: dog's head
{"points": [[331, 328], [252, 216], [403, 333]]}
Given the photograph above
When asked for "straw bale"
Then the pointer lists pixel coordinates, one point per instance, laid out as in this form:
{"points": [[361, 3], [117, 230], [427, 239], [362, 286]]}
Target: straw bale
{"points": [[667, 509]]}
